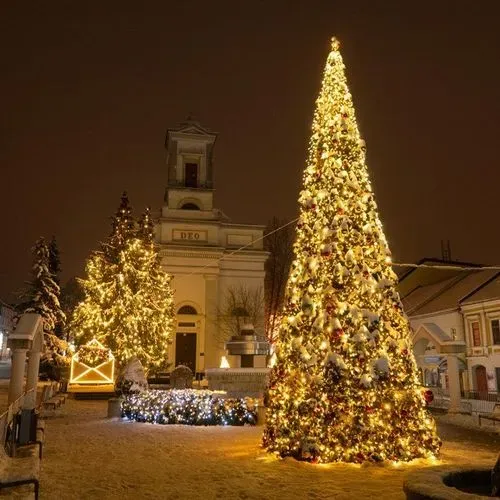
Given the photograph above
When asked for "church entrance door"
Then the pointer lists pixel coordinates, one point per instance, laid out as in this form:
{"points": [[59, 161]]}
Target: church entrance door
{"points": [[185, 350]]}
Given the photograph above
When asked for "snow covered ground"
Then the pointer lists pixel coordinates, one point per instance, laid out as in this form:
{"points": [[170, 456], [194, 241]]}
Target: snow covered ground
{"points": [[87, 456], [470, 422]]}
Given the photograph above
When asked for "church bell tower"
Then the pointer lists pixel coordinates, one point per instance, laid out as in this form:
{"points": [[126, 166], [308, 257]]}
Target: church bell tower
{"points": [[190, 184]]}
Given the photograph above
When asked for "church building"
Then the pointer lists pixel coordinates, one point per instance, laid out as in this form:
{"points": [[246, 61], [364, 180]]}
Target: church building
{"points": [[198, 248]]}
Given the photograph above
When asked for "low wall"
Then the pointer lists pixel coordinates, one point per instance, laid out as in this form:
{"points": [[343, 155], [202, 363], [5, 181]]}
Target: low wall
{"points": [[447, 483], [238, 382]]}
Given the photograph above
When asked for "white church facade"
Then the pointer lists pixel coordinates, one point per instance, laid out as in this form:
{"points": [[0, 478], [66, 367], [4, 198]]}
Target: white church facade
{"points": [[198, 246]]}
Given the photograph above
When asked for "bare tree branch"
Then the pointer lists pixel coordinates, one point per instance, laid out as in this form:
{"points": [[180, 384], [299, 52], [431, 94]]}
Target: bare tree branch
{"points": [[280, 246], [240, 305]]}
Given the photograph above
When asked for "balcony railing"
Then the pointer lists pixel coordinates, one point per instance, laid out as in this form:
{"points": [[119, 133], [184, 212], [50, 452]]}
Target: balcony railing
{"points": [[480, 395], [477, 395], [199, 185]]}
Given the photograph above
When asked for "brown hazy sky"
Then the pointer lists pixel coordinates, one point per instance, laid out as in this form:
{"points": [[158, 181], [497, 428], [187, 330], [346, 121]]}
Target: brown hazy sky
{"points": [[88, 90]]}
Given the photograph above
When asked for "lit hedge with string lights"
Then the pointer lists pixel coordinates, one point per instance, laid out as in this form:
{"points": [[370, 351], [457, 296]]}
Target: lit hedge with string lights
{"points": [[187, 407]]}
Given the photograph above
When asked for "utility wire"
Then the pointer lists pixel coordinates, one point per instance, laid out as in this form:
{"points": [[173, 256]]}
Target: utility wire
{"points": [[395, 264], [240, 249]]}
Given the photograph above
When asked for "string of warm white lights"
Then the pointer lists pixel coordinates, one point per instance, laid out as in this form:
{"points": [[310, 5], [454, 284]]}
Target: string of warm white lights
{"points": [[344, 386]]}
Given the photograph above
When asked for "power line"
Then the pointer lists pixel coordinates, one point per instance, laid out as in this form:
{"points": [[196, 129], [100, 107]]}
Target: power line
{"points": [[444, 267], [240, 249], [395, 264]]}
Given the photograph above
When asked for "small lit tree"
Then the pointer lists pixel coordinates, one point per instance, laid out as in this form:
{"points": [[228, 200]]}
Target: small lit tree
{"points": [[128, 304], [123, 229]]}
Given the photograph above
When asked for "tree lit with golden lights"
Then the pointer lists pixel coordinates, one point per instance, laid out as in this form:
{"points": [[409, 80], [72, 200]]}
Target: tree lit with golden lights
{"points": [[344, 386], [128, 304]]}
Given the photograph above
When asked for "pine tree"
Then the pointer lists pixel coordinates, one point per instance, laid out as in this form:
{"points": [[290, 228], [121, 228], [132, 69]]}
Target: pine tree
{"points": [[122, 229], [128, 305], [55, 271], [43, 298], [71, 296], [145, 231], [345, 384], [43, 293], [54, 260]]}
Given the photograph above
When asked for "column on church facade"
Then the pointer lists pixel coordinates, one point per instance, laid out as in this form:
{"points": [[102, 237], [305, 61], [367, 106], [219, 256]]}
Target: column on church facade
{"points": [[214, 349]]}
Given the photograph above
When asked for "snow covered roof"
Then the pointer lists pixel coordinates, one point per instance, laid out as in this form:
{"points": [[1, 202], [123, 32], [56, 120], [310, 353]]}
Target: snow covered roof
{"points": [[422, 294], [436, 331], [489, 291], [454, 292], [423, 276]]}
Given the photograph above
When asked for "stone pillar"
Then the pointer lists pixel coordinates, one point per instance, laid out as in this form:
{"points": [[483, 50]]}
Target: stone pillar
{"points": [[17, 373], [32, 376], [211, 347], [454, 382]]}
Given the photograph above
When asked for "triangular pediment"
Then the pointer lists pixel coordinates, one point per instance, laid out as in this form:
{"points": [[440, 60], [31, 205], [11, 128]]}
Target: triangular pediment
{"points": [[192, 129]]}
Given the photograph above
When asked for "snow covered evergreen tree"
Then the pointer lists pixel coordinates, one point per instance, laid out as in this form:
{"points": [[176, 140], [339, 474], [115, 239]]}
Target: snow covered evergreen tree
{"points": [[42, 297], [55, 270], [345, 385], [54, 260], [43, 293]]}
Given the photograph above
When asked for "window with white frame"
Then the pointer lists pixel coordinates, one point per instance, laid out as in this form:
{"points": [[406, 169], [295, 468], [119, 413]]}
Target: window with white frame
{"points": [[476, 334], [495, 330]]}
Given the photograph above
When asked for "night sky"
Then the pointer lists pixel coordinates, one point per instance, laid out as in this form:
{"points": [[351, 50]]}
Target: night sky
{"points": [[88, 90]]}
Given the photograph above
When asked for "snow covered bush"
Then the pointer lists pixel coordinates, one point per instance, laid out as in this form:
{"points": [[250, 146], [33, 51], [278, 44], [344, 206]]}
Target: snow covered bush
{"points": [[131, 379]]}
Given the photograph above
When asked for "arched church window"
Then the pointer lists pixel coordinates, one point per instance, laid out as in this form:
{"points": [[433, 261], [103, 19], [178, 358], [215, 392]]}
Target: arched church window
{"points": [[190, 206], [187, 310]]}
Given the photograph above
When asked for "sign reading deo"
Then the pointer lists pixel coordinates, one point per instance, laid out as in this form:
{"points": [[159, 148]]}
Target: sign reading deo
{"points": [[188, 235]]}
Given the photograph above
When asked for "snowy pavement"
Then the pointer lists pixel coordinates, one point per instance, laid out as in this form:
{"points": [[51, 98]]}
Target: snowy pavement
{"points": [[87, 456]]}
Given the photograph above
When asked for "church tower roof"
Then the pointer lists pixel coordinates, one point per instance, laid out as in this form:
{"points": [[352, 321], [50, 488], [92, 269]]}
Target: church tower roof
{"points": [[191, 127]]}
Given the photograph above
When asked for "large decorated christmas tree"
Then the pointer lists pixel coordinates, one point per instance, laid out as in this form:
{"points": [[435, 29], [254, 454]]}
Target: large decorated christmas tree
{"points": [[344, 386]]}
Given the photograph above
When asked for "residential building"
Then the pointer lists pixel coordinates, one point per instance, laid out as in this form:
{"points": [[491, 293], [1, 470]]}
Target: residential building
{"points": [[481, 313], [7, 314], [456, 313]]}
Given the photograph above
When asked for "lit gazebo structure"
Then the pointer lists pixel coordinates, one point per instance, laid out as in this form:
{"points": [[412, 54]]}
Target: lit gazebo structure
{"points": [[92, 369]]}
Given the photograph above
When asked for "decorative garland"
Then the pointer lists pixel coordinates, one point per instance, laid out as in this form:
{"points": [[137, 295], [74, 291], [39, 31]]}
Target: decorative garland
{"points": [[187, 407]]}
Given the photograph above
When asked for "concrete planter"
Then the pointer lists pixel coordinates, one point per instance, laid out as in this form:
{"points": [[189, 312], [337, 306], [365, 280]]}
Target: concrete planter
{"points": [[445, 483], [114, 407]]}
